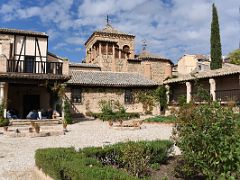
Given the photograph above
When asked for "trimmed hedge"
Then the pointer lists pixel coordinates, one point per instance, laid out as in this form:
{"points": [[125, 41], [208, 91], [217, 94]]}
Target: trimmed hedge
{"points": [[115, 116], [92, 162], [66, 163], [4, 122], [165, 119], [159, 150]]}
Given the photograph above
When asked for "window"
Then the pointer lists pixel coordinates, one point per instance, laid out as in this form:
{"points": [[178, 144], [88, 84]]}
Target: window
{"points": [[128, 97], [117, 52], [76, 95], [110, 49], [29, 64], [104, 48]]}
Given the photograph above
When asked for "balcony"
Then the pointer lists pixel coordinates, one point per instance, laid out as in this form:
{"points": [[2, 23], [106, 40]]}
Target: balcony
{"points": [[36, 67]]}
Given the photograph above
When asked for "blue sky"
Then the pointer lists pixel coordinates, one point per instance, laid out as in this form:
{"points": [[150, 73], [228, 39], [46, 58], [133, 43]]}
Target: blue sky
{"points": [[170, 27]]}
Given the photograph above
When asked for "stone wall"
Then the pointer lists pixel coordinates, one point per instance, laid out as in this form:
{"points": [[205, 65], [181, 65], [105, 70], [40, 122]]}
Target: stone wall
{"points": [[92, 96]]}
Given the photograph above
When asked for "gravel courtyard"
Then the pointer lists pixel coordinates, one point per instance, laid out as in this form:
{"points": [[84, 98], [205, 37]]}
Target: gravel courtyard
{"points": [[17, 154]]}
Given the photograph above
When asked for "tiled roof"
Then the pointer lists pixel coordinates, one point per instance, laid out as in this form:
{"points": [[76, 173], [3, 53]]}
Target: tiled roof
{"points": [[149, 56], [54, 55], [84, 65], [109, 29], [227, 69], [16, 75], [22, 32], [113, 79]]}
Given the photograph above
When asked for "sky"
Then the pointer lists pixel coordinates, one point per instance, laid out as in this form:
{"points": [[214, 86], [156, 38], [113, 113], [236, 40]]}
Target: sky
{"points": [[171, 28]]}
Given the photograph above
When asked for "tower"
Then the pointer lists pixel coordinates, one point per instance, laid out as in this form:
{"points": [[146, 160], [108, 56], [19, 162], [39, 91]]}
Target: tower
{"points": [[110, 48]]}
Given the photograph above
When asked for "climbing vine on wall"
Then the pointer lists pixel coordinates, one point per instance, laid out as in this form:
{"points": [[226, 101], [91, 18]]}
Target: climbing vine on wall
{"points": [[147, 99]]}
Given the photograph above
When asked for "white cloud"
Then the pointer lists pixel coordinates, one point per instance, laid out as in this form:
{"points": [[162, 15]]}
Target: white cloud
{"points": [[171, 28]]}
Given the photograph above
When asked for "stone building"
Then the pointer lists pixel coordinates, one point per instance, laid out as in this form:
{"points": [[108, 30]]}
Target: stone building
{"points": [[114, 51], [113, 72], [190, 63], [26, 67], [222, 84]]}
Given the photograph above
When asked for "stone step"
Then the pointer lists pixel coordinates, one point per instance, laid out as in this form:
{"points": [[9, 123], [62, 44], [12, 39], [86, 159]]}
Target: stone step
{"points": [[42, 122]]}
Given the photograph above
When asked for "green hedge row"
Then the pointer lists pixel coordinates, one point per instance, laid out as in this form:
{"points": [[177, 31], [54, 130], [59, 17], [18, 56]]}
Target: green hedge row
{"points": [[66, 163], [95, 162], [159, 150], [115, 116], [4, 122], [166, 119]]}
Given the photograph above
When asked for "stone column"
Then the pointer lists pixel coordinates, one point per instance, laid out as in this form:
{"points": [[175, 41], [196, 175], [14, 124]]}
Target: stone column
{"points": [[2, 85], [113, 59], [100, 48], [189, 91], [212, 83], [2, 97], [167, 93], [107, 49]]}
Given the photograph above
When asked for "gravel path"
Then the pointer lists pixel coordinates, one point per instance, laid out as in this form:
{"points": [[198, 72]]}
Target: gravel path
{"points": [[17, 154]]}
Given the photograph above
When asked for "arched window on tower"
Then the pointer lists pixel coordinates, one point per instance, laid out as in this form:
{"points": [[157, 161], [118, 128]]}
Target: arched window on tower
{"points": [[110, 49], [126, 50], [104, 48], [116, 51]]}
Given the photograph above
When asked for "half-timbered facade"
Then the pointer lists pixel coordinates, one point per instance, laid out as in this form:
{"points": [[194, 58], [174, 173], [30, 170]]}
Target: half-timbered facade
{"points": [[26, 69]]}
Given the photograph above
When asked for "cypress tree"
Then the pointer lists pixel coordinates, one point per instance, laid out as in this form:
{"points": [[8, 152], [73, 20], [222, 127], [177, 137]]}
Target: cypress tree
{"points": [[216, 50]]}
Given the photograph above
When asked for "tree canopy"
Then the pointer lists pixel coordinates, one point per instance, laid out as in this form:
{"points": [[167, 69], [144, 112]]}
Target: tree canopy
{"points": [[234, 56]]}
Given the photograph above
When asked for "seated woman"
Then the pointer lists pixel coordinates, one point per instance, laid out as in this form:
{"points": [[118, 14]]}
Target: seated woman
{"points": [[55, 114], [32, 115]]}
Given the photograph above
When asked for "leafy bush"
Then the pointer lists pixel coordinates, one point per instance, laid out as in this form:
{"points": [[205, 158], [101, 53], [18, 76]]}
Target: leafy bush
{"points": [[136, 159], [103, 163], [167, 119], [4, 122], [67, 113], [209, 138], [112, 111]]}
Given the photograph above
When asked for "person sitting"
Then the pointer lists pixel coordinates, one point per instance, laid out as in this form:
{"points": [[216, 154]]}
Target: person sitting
{"points": [[55, 114], [39, 114], [44, 114], [11, 114], [49, 113], [32, 114]]}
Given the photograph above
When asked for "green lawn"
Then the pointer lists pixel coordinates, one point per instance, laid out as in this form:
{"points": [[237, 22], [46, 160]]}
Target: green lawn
{"points": [[166, 119]]}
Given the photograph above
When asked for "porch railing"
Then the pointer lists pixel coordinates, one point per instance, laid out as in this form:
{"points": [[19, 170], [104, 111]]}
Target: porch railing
{"points": [[38, 67], [228, 95]]}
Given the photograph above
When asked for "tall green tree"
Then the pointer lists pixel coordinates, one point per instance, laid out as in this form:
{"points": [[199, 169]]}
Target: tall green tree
{"points": [[216, 50]]}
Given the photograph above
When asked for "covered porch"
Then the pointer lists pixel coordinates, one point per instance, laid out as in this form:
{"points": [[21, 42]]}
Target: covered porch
{"points": [[22, 93], [223, 88]]}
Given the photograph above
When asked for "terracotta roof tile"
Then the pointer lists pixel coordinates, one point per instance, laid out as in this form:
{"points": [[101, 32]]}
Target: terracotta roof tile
{"points": [[227, 69], [22, 32], [114, 79]]}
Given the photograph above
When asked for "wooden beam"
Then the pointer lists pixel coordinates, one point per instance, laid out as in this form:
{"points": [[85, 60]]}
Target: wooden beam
{"points": [[24, 41], [40, 56]]}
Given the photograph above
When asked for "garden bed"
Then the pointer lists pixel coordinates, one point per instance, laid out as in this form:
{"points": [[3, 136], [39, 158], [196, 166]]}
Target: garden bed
{"points": [[117, 161], [161, 119]]}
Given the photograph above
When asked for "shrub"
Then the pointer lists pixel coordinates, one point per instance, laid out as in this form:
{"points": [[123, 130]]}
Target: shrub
{"points": [[4, 122], [167, 119], [135, 159], [67, 113], [209, 138], [112, 111]]}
